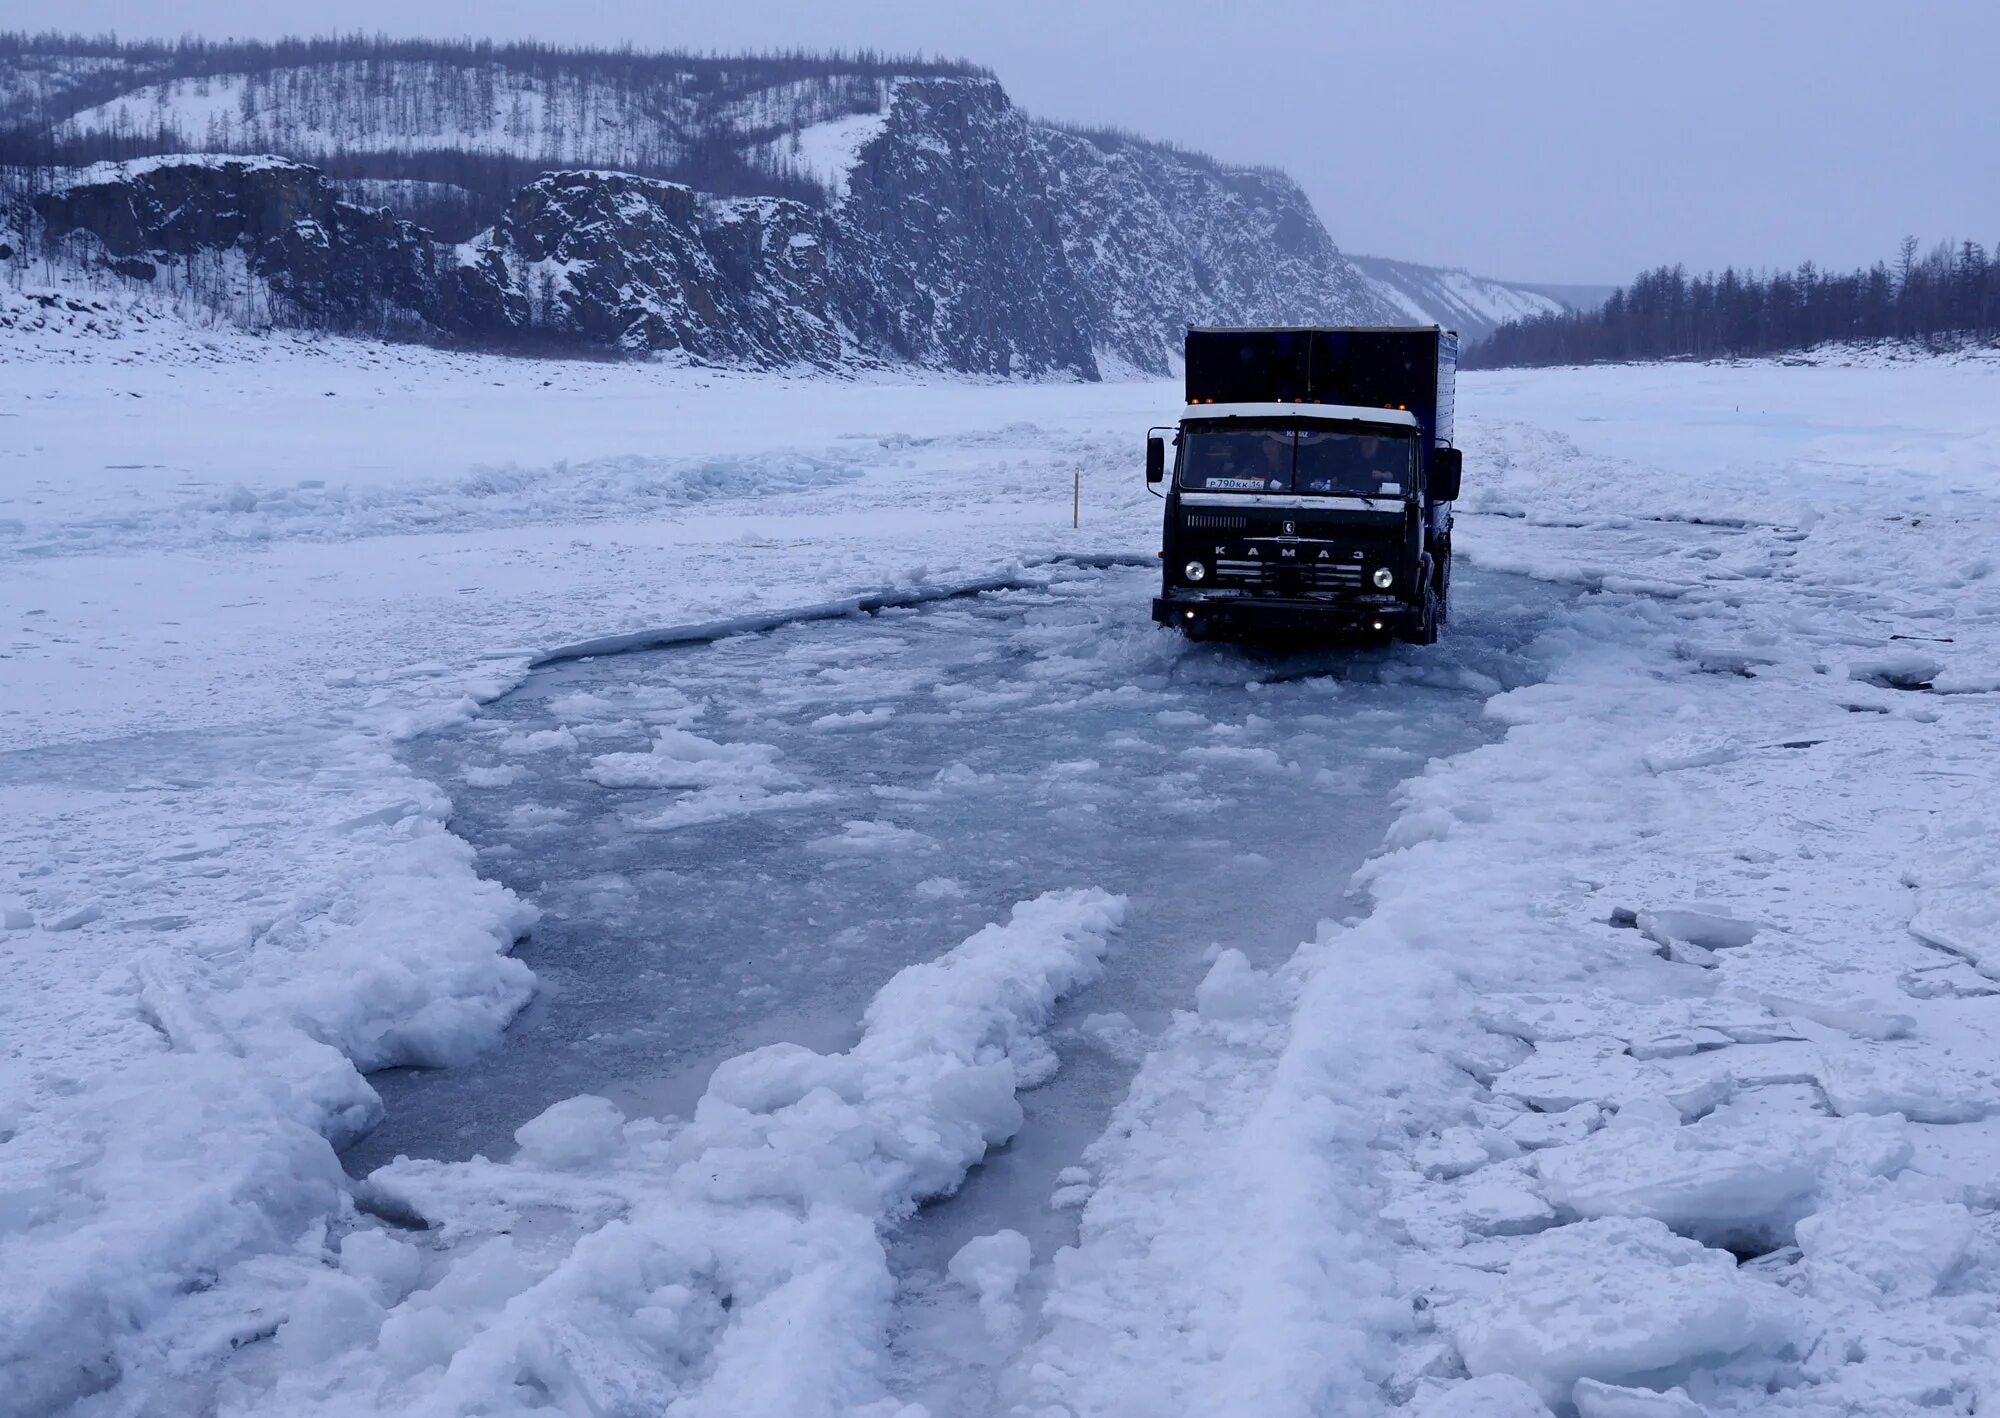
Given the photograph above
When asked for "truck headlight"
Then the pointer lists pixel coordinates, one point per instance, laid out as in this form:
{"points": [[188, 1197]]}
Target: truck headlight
{"points": [[1194, 571], [1383, 577]]}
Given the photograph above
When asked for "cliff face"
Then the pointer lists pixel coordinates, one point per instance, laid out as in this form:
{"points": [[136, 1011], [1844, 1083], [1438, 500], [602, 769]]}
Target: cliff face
{"points": [[630, 264], [955, 234], [950, 239], [326, 262], [1160, 240]]}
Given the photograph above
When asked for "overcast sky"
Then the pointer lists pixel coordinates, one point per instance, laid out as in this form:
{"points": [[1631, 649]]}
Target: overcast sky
{"points": [[1550, 140]]}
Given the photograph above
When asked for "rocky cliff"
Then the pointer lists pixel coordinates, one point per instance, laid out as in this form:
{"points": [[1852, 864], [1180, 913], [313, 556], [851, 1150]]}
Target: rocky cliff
{"points": [[326, 262], [631, 264], [1160, 239], [943, 228]]}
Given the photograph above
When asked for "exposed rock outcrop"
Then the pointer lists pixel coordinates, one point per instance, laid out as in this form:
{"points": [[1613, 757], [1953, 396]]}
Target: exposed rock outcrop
{"points": [[951, 239], [327, 262], [956, 234], [614, 261]]}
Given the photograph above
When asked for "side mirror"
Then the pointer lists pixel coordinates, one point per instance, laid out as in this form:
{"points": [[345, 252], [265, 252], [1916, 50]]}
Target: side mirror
{"points": [[1156, 458], [1446, 465]]}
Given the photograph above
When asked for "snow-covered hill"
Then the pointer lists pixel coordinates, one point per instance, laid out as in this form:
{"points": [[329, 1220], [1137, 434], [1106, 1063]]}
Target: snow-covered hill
{"points": [[895, 215], [1437, 295]]}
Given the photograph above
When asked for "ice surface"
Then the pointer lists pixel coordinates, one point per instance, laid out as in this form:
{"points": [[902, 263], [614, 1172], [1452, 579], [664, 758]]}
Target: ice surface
{"points": [[313, 578]]}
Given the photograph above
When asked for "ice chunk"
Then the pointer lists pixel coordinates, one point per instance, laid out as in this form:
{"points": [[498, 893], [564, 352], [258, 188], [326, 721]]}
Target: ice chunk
{"points": [[1501, 1201], [575, 1133], [855, 719], [1724, 1179], [75, 917], [982, 1095], [1073, 1188], [1454, 1152], [1856, 1017], [1489, 1396], [1678, 1043], [992, 1267], [779, 1075], [1536, 1130], [331, 1314], [1601, 1400], [1957, 873], [1896, 668], [679, 759], [873, 837], [432, 1326], [1880, 1246], [1233, 989], [720, 804], [1563, 1073], [556, 740], [388, 1267], [1707, 927], [14, 916], [1915, 1083], [1691, 751], [1615, 1300]]}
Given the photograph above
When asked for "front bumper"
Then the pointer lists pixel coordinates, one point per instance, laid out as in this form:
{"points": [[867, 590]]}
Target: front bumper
{"points": [[1206, 612]]}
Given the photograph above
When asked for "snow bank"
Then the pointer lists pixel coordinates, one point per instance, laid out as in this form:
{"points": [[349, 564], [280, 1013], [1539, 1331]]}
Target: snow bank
{"points": [[172, 1112], [1657, 1078], [730, 1264]]}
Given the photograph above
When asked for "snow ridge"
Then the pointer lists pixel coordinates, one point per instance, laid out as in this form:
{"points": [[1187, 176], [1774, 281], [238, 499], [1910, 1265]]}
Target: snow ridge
{"points": [[730, 1264], [1431, 295]]}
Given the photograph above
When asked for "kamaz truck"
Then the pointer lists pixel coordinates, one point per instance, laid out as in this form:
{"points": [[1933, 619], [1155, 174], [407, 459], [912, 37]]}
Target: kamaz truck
{"points": [[1309, 493]]}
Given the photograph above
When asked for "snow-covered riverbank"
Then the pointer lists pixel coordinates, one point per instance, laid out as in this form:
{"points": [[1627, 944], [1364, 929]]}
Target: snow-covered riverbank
{"points": [[1689, 965]]}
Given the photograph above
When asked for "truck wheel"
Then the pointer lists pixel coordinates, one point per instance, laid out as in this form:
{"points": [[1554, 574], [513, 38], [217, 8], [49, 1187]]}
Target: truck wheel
{"points": [[1432, 617]]}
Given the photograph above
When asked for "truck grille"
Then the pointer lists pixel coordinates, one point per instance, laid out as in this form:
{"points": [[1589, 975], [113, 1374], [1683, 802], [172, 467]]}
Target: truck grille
{"points": [[1306, 577], [1215, 521]]}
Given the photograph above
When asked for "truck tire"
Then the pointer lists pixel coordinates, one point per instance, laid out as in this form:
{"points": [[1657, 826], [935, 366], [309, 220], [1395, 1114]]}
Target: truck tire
{"points": [[1430, 620], [1442, 575]]}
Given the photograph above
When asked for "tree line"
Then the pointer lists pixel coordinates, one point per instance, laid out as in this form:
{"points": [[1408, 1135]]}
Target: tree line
{"points": [[57, 74], [483, 117], [1948, 293]]}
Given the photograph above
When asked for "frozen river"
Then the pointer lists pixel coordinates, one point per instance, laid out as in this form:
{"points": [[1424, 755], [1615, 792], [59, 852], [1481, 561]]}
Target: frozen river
{"points": [[738, 843]]}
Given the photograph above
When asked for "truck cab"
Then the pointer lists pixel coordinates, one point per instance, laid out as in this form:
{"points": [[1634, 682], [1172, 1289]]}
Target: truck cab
{"points": [[1309, 490]]}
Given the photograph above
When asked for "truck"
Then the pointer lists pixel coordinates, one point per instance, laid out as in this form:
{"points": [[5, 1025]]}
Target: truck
{"points": [[1311, 484]]}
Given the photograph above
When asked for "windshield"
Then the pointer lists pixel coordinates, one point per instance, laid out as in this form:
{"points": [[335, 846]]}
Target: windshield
{"points": [[1325, 461], [1238, 460]]}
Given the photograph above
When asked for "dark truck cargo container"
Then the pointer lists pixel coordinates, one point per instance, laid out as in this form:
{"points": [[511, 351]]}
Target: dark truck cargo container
{"points": [[1312, 482]]}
